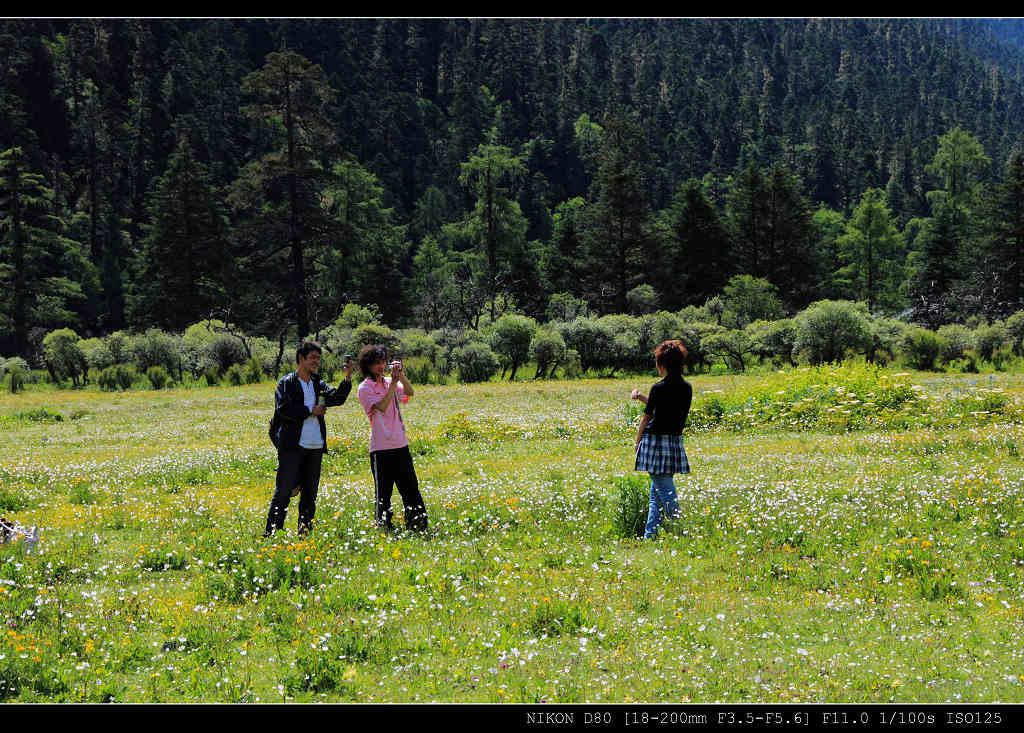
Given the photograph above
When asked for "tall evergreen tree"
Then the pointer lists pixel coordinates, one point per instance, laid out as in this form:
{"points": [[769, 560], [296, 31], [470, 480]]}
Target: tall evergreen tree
{"points": [[936, 270], [281, 192], [561, 264], [828, 226], [701, 263], [185, 256], [940, 285], [772, 234], [44, 277], [619, 226], [496, 224], [363, 259], [1003, 264], [871, 250]]}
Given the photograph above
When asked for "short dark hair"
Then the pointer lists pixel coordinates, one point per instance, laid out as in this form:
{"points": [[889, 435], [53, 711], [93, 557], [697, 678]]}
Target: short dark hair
{"points": [[305, 348], [370, 355], [671, 355]]}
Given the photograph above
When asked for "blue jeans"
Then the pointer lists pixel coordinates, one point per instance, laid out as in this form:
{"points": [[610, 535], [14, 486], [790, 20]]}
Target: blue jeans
{"points": [[663, 498]]}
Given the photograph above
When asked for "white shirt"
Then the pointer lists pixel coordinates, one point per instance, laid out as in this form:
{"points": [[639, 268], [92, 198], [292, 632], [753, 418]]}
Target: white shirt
{"points": [[310, 437]]}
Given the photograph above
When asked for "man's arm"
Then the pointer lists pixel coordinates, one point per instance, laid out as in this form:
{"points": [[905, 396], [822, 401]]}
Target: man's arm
{"points": [[338, 395]]}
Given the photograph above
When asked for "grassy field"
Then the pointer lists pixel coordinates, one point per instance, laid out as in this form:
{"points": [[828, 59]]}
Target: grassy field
{"points": [[848, 535]]}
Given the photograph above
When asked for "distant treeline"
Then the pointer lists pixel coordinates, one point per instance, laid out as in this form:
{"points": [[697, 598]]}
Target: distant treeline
{"points": [[445, 173]]}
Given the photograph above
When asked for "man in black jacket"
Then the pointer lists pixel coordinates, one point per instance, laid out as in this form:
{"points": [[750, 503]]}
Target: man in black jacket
{"points": [[300, 434]]}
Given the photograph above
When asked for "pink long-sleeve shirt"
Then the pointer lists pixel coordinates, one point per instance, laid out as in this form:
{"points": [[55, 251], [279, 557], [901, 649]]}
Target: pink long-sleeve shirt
{"points": [[387, 430]]}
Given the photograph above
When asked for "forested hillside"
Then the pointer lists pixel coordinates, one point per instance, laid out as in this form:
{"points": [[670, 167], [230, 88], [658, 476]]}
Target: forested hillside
{"points": [[154, 173]]}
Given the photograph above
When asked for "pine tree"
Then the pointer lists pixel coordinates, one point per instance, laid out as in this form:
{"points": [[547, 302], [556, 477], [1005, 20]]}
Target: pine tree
{"points": [[44, 276], [185, 256], [281, 192], [619, 226], [937, 271], [772, 233], [561, 264], [1003, 219], [871, 250], [702, 263], [363, 260], [496, 224]]}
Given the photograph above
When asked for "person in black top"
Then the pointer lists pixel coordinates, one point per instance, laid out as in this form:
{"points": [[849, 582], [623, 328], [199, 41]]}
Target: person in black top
{"points": [[300, 434], [659, 441]]}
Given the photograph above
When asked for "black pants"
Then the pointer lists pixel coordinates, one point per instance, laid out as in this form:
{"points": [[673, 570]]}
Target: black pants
{"points": [[299, 467], [390, 468]]}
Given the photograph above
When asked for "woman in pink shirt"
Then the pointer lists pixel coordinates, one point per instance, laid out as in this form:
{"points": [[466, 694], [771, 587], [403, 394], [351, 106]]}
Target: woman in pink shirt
{"points": [[390, 459]]}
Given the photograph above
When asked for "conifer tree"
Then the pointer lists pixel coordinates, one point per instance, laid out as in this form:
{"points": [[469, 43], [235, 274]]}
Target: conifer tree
{"points": [[701, 263], [496, 224], [1003, 264], [44, 277], [619, 226], [871, 252], [280, 194], [183, 272]]}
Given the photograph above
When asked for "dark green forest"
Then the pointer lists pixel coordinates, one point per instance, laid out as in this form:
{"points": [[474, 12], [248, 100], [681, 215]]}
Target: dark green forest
{"points": [[444, 172]]}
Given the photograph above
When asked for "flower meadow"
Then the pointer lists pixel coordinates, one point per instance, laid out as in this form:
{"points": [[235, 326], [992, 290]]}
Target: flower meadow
{"points": [[849, 534]]}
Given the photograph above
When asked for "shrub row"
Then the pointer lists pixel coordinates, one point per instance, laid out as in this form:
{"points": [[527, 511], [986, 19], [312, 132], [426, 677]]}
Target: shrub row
{"points": [[716, 338]]}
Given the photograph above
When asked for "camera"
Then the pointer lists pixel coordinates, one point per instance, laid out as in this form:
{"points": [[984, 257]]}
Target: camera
{"points": [[396, 365]]}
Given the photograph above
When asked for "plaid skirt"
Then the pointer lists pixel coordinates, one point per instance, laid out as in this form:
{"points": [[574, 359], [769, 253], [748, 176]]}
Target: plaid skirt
{"points": [[659, 454]]}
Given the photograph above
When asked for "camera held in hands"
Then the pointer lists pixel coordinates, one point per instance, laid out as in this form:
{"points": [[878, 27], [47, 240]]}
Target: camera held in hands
{"points": [[395, 366]]}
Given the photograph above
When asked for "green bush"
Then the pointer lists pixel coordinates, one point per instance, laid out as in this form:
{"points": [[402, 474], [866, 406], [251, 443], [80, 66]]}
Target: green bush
{"points": [[733, 346], [420, 370], [38, 414], [370, 333], [828, 330], [63, 357], [957, 341], [118, 376], [449, 341], [157, 348], [476, 362], [592, 339], [773, 339], [416, 342], [252, 372], [15, 370], [158, 377], [105, 379], [234, 375], [922, 347], [1015, 331], [510, 338], [97, 353], [547, 349], [990, 340], [126, 375]]}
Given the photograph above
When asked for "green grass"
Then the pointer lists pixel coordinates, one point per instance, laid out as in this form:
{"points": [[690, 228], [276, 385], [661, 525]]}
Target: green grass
{"points": [[828, 549]]}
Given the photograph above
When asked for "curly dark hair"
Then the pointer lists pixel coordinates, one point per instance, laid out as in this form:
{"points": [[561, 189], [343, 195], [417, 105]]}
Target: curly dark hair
{"points": [[370, 355], [671, 355]]}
